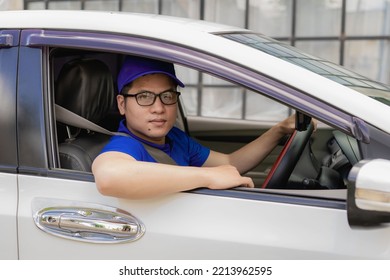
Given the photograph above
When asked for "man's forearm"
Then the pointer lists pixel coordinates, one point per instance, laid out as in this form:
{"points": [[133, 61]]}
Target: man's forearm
{"points": [[126, 178], [256, 151]]}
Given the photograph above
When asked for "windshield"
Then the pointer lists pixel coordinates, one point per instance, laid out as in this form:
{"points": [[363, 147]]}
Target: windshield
{"points": [[317, 65]]}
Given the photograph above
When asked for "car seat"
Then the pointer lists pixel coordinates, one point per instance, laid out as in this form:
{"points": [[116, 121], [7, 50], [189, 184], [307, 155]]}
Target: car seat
{"points": [[84, 86]]}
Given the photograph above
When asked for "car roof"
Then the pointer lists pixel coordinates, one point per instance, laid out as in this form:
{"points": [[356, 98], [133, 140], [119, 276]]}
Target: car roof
{"points": [[118, 21], [200, 35]]}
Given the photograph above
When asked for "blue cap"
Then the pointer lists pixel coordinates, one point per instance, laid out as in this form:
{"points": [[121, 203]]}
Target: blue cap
{"points": [[135, 67]]}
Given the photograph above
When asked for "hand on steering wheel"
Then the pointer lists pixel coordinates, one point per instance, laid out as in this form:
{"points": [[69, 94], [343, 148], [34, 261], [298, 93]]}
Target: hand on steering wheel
{"points": [[285, 163]]}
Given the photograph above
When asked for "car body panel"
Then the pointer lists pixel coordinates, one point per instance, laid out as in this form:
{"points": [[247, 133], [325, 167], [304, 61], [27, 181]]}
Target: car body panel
{"points": [[255, 229], [8, 214]]}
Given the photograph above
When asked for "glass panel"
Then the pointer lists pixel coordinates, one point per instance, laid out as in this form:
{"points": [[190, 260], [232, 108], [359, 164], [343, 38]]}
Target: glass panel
{"points": [[181, 8], [231, 12], [222, 102], [35, 6], [377, 85], [211, 80], [328, 50], [338, 79], [102, 5], [369, 58], [262, 108], [187, 75], [268, 45], [342, 71], [11, 5], [318, 17], [65, 5], [271, 17], [140, 6], [368, 17], [189, 97], [311, 65]]}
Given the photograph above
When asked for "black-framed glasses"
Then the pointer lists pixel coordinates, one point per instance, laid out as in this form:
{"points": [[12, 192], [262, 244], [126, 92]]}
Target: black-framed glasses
{"points": [[147, 98]]}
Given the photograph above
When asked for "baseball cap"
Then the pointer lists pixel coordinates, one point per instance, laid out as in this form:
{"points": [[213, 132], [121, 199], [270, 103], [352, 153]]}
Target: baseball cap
{"points": [[134, 67]]}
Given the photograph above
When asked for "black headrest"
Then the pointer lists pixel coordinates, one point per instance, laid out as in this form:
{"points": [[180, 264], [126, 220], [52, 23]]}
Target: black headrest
{"points": [[86, 87]]}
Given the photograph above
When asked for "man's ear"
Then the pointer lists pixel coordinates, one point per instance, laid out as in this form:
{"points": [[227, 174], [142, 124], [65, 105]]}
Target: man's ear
{"points": [[120, 99]]}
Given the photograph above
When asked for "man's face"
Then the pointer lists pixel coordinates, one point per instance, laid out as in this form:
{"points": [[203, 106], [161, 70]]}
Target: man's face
{"points": [[151, 123]]}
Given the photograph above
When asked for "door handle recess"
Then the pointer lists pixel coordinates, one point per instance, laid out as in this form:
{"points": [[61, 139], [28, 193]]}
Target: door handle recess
{"points": [[89, 224]]}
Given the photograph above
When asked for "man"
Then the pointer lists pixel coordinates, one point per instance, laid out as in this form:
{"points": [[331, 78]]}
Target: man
{"points": [[148, 100]]}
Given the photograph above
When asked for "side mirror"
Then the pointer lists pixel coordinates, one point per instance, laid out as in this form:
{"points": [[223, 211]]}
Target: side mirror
{"points": [[368, 200]]}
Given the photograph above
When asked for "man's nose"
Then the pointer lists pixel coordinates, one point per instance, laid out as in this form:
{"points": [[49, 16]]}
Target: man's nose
{"points": [[158, 106]]}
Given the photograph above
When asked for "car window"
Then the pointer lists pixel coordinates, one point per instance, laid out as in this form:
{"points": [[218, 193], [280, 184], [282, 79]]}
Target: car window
{"points": [[209, 96], [82, 84], [245, 114]]}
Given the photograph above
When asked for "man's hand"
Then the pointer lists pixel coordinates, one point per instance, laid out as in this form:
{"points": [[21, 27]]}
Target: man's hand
{"points": [[287, 126], [226, 176]]}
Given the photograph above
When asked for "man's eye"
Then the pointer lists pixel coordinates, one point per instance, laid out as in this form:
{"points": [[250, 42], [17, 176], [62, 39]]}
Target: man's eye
{"points": [[167, 96], [145, 95]]}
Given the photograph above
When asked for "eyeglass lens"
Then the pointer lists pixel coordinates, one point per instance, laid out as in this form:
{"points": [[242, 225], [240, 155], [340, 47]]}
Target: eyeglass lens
{"points": [[148, 98]]}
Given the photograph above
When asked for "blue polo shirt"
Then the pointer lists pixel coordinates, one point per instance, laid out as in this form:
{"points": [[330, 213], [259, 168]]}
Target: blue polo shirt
{"points": [[180, 147]]}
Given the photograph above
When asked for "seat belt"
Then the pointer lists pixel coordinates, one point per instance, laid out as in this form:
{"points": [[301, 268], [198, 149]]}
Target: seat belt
{"points": [[69, 118]]}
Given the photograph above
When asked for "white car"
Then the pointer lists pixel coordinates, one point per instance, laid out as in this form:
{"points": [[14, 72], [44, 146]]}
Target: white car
{"points": [[325, 197]]}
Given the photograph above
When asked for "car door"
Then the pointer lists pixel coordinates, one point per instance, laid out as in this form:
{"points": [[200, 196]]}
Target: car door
{"points": [[61, 215], [8, 156]]}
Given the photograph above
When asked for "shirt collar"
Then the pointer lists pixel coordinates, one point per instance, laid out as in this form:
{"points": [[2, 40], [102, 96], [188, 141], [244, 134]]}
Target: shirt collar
{"points": [[165, 147]]}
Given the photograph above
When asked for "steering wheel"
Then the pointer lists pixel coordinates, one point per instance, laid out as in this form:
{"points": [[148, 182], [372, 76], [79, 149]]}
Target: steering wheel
{"points": [[283, 167]]}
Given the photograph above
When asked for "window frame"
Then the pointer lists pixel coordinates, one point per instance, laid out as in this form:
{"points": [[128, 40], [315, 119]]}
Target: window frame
{"points": [[38, 42]]}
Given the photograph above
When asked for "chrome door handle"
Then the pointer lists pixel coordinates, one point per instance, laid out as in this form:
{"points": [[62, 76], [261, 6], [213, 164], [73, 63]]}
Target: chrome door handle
{"points": [[89, 224]]}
